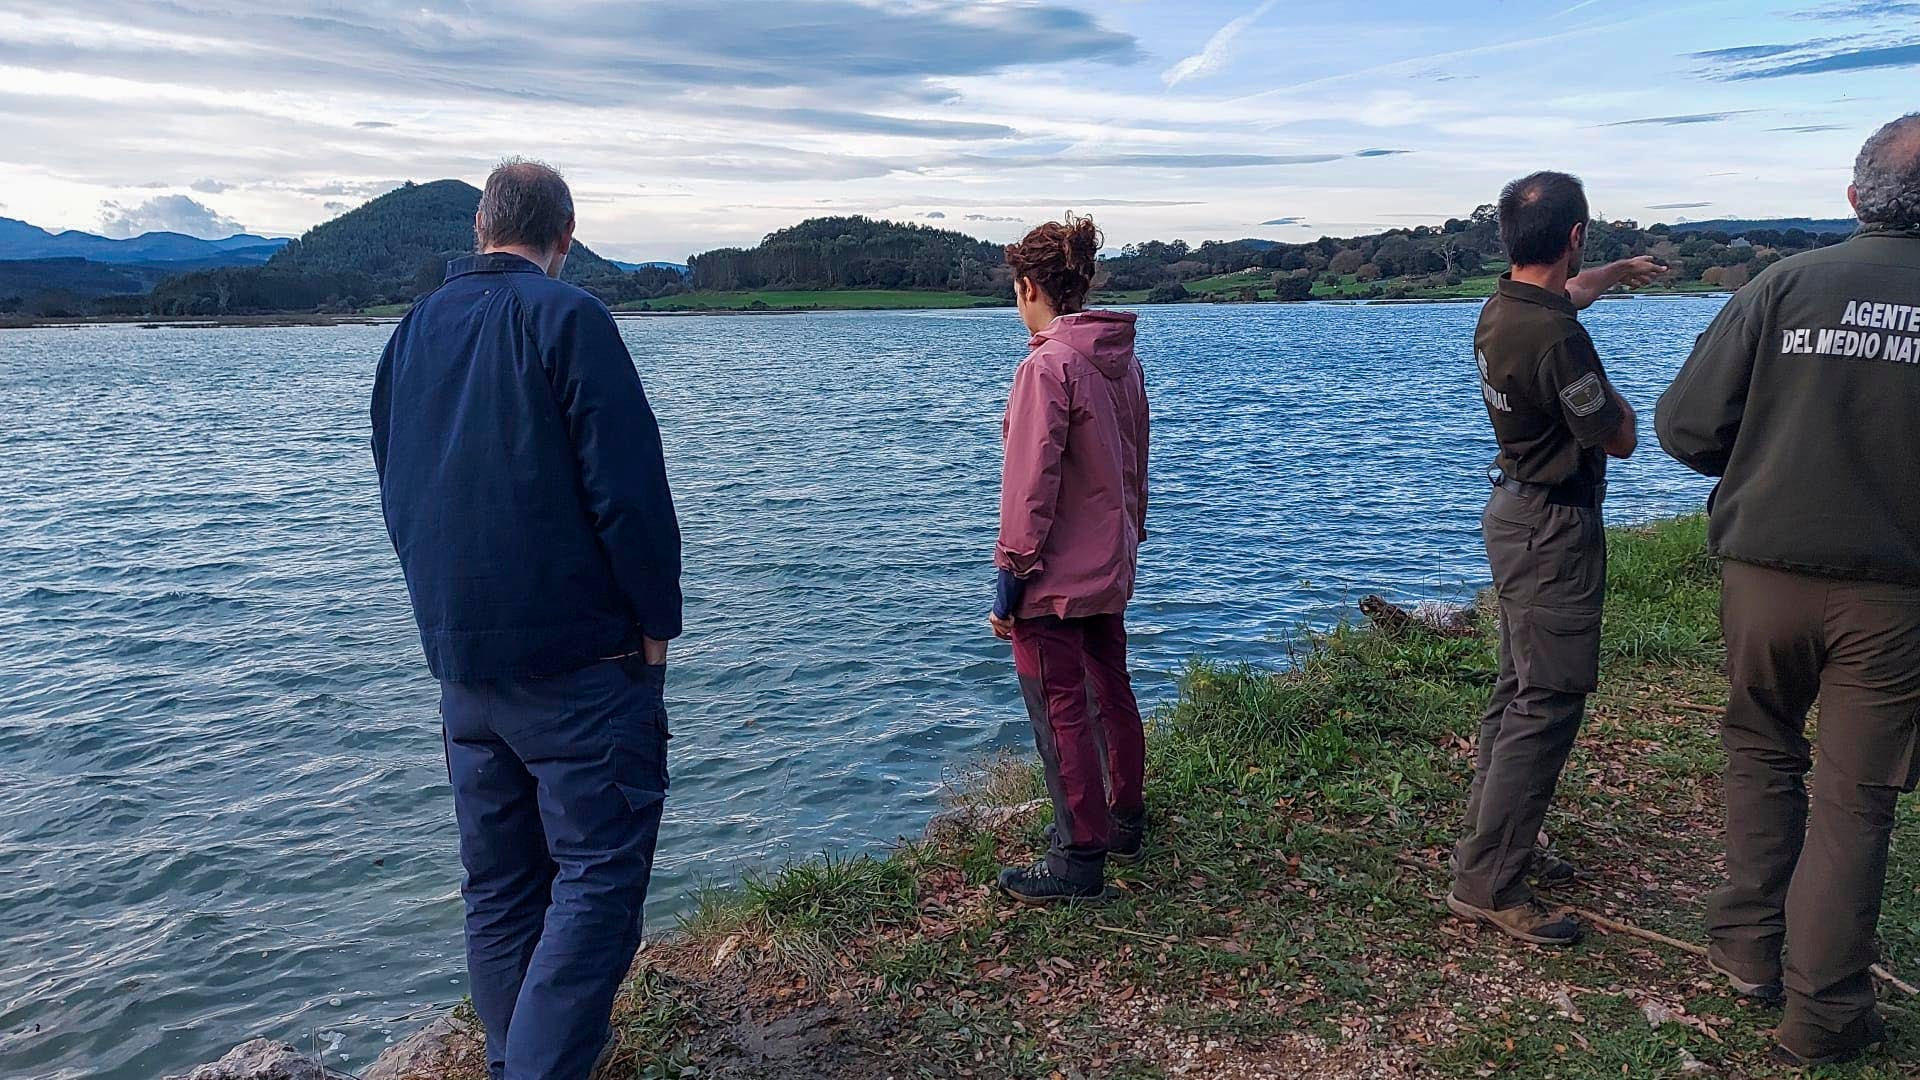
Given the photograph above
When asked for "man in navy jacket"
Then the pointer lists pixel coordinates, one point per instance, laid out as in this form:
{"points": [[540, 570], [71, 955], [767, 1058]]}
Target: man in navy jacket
{"points": [[523, 485]]}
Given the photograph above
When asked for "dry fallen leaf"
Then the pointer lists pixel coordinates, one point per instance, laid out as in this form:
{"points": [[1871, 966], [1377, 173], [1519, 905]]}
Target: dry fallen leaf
{"points": [[727, 948]]}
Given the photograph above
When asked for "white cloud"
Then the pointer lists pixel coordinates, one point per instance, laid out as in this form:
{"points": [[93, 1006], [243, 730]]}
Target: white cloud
{"points": [[691, 124], [1214, 55], [166, 213]]}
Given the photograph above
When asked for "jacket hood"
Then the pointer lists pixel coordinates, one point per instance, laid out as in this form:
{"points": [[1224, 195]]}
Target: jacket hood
{"points": [[1103, 337]]}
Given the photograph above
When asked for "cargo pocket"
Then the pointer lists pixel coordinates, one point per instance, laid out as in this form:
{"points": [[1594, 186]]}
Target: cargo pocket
{"points": [[1559, 649], [1875, 753], [1907, 765], [640, 735]]}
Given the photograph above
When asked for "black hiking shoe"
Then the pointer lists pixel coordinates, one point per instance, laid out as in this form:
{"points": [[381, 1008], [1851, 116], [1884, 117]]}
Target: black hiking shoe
{"points": [[1036, 885], [1129, 844], [1530, 922]]}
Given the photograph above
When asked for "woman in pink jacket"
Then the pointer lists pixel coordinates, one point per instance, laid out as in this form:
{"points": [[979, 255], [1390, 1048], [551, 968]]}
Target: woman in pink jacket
{"points": [[1073, 510]]}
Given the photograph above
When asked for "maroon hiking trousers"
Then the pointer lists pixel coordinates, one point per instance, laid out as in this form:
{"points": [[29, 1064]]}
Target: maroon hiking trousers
{"points": [[1086, 725]]}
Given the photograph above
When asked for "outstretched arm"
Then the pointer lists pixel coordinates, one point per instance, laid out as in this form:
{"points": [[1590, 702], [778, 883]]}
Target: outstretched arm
{"points": [[1592, 284]]}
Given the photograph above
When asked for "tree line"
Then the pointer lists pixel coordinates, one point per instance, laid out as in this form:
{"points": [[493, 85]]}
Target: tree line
{"points": [[856, 253], [395, 248], [1397, 260]]}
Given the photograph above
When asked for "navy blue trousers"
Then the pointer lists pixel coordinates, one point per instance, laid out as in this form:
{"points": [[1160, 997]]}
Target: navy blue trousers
{"points": [[558, 785]]}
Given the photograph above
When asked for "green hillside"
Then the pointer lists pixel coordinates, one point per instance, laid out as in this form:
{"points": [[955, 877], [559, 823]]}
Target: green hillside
{"points": [[1459, 258], [857, 253], [388, 251], [406, 237]]}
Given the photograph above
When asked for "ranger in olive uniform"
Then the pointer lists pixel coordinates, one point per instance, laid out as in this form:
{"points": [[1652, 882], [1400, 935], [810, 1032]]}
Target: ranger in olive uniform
{"points": [[1557, 418], [1804, 397]]}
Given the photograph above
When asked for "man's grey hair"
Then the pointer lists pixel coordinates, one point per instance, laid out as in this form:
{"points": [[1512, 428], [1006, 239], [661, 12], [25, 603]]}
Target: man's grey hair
{"points": [[1886, 177], [525, 204]]}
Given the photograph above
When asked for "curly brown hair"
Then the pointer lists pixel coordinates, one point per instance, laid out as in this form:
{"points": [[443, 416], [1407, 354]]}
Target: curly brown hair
{"points": [[1059, 257]]}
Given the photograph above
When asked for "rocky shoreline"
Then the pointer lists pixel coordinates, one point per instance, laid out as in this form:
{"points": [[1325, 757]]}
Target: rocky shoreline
{"points": [[422, 1055]]}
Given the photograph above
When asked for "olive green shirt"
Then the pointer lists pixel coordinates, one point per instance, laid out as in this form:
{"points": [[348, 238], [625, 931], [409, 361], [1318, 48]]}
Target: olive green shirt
{"points": [[1804, 397], [1546, 391]]}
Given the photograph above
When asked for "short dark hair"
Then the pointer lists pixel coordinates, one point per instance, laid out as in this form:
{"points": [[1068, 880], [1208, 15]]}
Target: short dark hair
{"points": [[1537, 216], [1886, 176], [525, 204]]}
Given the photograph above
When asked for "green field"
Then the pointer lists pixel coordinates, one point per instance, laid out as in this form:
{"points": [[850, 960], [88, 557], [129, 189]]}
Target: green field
{"points": [[807, 300]]}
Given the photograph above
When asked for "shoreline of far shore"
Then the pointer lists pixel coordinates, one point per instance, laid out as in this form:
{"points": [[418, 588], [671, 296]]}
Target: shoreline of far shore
{"points": [[209, 322]]}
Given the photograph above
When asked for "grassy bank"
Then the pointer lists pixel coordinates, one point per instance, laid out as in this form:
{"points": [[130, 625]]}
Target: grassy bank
{"points": [[1288, 921]]}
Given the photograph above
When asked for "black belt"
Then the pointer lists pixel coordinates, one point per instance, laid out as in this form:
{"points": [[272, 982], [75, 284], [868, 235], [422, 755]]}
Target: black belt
{"points": [[1569, 493]]}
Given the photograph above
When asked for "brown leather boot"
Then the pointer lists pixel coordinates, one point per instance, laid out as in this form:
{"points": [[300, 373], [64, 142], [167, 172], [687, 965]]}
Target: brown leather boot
{"points": [[1530, 922]]}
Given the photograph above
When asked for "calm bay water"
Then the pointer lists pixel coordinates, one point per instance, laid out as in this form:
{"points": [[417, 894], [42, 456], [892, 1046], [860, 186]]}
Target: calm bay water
{"points": [[226, 810]]}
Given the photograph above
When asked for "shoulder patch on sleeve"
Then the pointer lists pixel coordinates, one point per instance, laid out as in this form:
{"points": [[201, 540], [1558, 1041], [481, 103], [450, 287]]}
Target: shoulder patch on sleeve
{"points": [[1586, 397]]}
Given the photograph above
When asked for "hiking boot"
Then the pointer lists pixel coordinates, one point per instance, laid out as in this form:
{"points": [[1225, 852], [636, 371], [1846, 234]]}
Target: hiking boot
{"points": [[1036, 885], [1129, 844], [1866, 1032], [1550, 871], [1770, 994], [1545, 870], [1530, 922]]}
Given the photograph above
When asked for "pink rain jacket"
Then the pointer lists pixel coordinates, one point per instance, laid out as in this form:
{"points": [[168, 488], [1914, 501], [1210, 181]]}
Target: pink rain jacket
{"points": [[1073, 493]]}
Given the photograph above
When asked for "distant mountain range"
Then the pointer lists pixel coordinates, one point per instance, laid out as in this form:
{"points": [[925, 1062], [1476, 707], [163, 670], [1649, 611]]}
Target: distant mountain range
{"points": [[1736, 226], [19, 240], [394, 248]]}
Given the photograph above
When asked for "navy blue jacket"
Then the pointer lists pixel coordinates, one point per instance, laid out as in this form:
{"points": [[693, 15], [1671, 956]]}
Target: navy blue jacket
{"points": [[521, 477]]}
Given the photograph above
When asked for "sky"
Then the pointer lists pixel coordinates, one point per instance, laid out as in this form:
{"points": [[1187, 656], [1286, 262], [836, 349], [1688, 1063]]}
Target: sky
{"points": [[685, 125]]}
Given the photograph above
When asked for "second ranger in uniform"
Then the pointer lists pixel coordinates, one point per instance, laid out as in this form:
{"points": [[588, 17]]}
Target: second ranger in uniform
{"points": [[1804, 398], [1557, 419]]}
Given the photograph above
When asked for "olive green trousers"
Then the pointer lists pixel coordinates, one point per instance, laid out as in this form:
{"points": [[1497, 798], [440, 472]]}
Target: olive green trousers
{"points": [[1811, 883], [1550, 575]]}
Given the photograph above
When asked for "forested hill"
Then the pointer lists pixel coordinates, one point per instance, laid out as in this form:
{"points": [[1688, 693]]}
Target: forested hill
{"points": [[390, 250], [1739, 226], [855, 253], [408, 235], [1428, 260]]}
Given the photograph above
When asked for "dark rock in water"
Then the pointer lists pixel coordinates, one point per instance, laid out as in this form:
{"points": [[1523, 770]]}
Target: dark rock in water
{"points": [[1444, 620], [264, 1059], [967, 818], [1386, 617]]}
